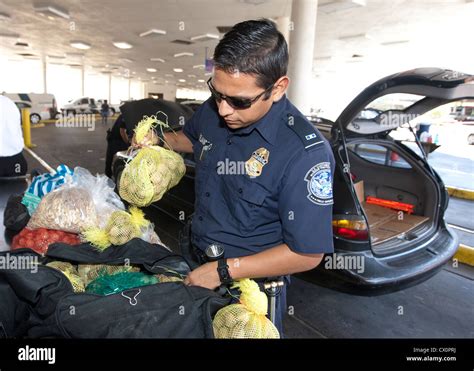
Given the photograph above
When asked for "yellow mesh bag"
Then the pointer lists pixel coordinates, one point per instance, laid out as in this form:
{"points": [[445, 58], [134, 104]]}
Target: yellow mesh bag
{"points": [[246, 320], [71, 273], [153, 170], [89, 272], [121, 228]]}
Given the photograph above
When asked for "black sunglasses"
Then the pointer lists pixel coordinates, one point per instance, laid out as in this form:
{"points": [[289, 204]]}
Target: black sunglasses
{"points": [[234, 102]]}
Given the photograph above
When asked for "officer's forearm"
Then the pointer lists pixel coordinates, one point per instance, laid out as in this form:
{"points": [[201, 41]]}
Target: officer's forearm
{"points": [[179, 142], [277, 261]]}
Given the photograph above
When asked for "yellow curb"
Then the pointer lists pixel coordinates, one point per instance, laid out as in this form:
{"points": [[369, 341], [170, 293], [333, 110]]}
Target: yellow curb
{"points": [[37, 126], [466, 194], [465, 254]]}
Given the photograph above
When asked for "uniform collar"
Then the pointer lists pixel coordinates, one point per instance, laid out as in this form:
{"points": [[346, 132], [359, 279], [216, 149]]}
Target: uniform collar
{"points": [[268, 125]]}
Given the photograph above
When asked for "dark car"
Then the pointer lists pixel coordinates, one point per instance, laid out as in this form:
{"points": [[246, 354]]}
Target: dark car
{"points": [[369, 163]]}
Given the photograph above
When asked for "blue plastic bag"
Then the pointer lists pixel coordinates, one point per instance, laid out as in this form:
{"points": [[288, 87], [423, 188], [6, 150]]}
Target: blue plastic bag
{"points": [[45, 183]]}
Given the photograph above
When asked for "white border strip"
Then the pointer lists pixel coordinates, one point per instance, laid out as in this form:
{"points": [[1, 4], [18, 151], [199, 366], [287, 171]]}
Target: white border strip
{"points": [[40, 160]]}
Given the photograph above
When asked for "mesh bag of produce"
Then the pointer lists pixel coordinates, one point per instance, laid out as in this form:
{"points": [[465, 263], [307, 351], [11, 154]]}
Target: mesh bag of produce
{"points": [[246, 320], [153, 170], [111, 284], [89, 272], [69, 209], [121, 228], [71, 273], [39, 239]]}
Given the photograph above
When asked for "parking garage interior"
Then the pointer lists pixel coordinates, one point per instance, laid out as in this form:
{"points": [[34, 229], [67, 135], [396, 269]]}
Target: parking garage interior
{"points": [[60, 60]]}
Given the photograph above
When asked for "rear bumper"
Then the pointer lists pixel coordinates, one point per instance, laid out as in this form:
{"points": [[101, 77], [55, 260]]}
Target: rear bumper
{"points": [[391, 273]]}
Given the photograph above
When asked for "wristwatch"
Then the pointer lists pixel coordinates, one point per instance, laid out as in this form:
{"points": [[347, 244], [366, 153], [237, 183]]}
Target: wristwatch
{"points": [[223, 271]]}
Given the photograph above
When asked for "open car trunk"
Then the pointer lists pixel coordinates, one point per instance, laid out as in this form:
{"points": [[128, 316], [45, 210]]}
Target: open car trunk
{"points": [[382, 170]]}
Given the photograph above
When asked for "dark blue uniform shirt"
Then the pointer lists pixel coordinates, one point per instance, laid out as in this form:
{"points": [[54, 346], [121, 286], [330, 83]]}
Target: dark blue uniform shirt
{"points": [[263, 185]]}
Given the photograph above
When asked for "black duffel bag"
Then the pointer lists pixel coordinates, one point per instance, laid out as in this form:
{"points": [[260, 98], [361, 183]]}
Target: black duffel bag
{"points": [[41, 302]]}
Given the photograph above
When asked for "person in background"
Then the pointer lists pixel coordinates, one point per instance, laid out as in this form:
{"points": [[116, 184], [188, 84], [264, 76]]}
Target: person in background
{"points": [[12, 161], [117, 140], [104, 112]]}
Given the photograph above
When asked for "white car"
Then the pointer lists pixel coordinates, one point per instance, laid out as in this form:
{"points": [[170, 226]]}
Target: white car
{"points": [[81, 105], [41, 106]]}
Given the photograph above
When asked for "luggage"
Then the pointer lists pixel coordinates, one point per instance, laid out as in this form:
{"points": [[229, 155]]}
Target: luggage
{"points": [[40, 302]]}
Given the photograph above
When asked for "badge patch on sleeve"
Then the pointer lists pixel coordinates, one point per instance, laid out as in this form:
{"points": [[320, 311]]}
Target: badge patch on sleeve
{"points": [[320, 184]]}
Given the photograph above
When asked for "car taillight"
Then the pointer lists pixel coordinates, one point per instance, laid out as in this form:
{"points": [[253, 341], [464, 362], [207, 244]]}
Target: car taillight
{"points": [[352, 227]]}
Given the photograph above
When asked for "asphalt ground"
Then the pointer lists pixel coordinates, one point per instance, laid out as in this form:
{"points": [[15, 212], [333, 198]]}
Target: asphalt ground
{"points": [[441, 307]]}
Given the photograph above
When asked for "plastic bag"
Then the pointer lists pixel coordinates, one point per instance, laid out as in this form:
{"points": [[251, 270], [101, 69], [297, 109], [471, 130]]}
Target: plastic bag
{"points": [[248, 319], [69, 209], [153, 169], [45, 183], [83, 202], [102, 191]]}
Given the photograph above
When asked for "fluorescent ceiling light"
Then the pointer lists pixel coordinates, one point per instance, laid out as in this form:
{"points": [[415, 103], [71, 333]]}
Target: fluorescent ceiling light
{"points": [[184, 54], [199, 66], [396, 42], [325, 58], [157, 60], [80, 45], [125, 60], [339, 5], [122, 45], [178, 70], [201, 80], [4, 16], [52, 11], [151, 69], [205, 37], [153, 31], [361, 36], [169, 75], [56, 56], [191, 75], [8, 35], [253, 2]]}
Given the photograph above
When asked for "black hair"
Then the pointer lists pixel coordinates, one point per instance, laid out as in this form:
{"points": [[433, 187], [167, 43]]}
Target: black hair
{"points": [[255, 47]]}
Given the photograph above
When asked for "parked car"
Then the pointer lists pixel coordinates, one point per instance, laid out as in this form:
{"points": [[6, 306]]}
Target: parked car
{"points": [[81, 105], [421, 243], [41, 106]]}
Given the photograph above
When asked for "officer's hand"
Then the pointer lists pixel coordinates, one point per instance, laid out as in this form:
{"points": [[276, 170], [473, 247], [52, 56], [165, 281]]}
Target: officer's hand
{"points": [[205, 276]]}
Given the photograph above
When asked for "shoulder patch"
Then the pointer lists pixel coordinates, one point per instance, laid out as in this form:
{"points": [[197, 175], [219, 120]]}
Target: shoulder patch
{"points": [[319, 185], [304, 130]]}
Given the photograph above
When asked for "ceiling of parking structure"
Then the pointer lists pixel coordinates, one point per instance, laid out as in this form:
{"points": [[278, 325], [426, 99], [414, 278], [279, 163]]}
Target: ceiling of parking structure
{"points": [[373, 40], [100, 23]]}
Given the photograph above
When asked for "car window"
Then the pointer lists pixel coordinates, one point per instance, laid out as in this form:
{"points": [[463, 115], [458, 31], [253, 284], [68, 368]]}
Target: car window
{"points": [[395, 101], [378, 154], [84, 101]]}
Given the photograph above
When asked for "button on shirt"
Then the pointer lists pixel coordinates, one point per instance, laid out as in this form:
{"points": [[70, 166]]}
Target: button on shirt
{"points": [[260, 186]]}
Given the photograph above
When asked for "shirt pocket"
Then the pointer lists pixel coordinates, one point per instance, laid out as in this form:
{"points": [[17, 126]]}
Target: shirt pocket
{"points": [[246, 201]]}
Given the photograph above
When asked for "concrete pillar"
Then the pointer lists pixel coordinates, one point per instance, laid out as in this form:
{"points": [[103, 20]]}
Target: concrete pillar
{"points": [[45, 76], [283, 25], [83, 73], [110, 88], [303, 18]]}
